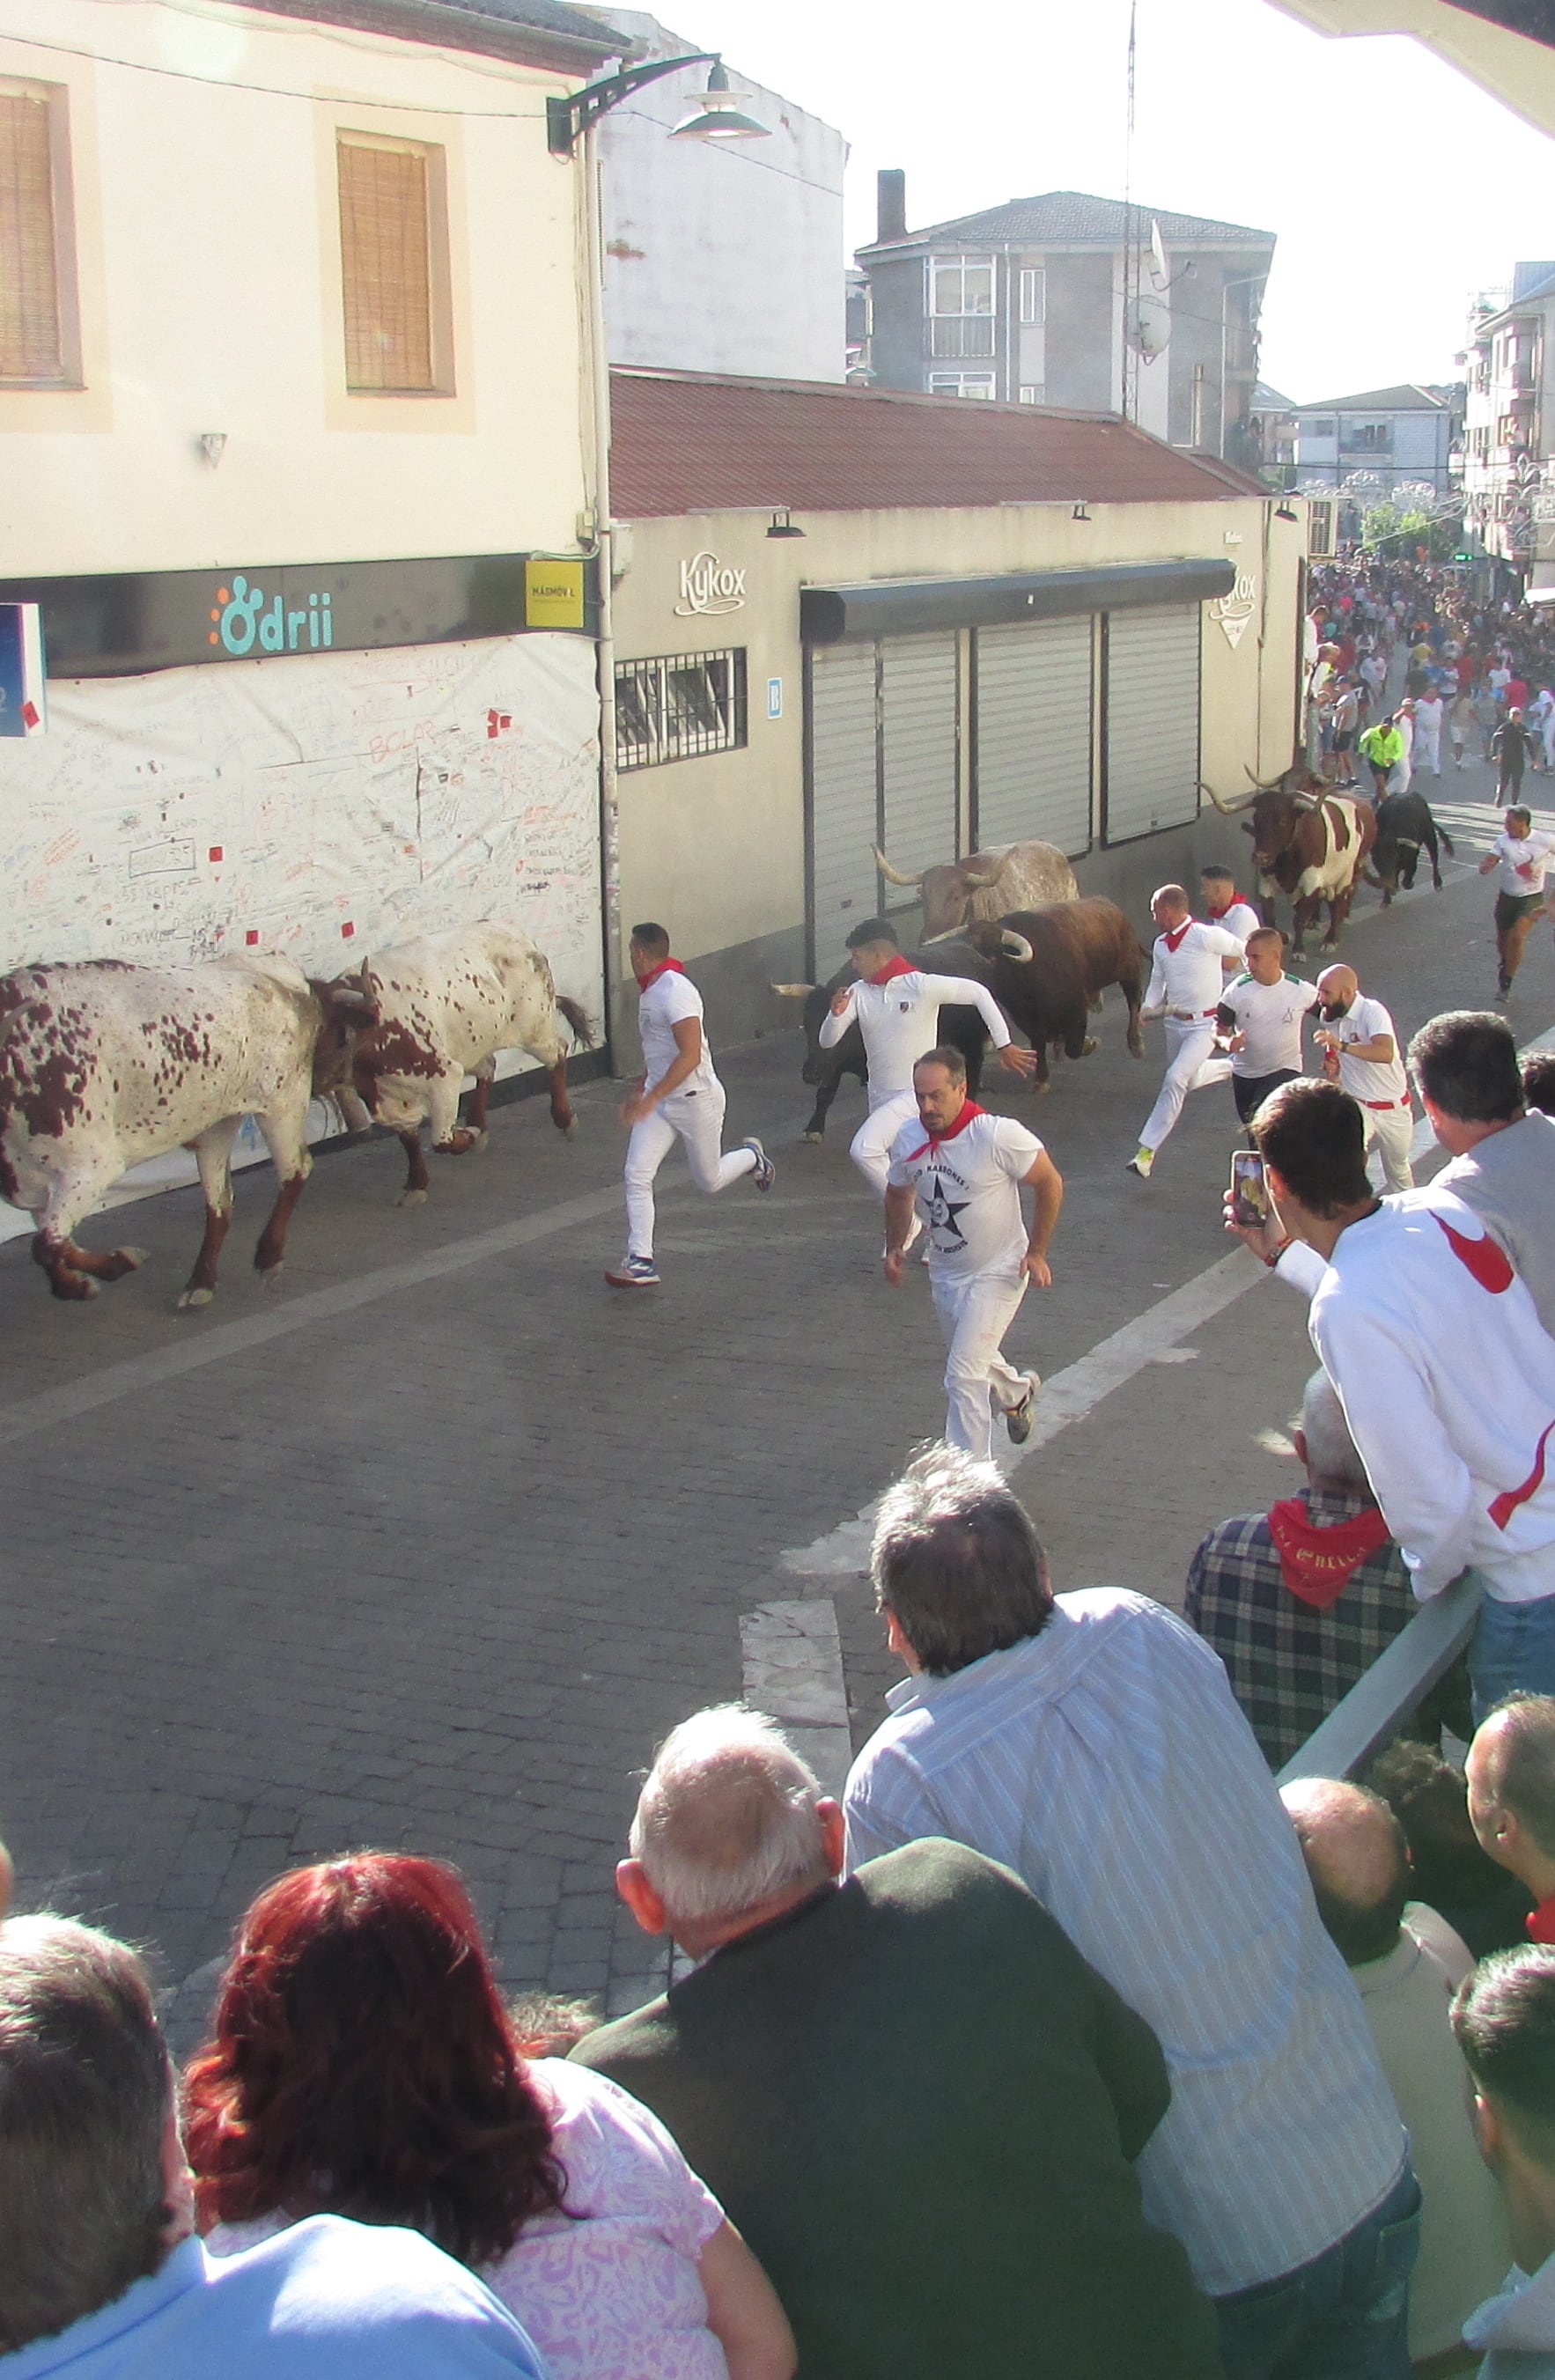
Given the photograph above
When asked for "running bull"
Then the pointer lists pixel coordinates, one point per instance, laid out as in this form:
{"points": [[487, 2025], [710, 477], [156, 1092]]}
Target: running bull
{"points": [[435, 1010], [1049, 966], [986, 884], [1404, 824], [104, 1064], [824, 1069], [1307, 843]]}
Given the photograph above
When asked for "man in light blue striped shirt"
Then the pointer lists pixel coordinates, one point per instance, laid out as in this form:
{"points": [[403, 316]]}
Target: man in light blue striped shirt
{"points": [[1092, 1744]]}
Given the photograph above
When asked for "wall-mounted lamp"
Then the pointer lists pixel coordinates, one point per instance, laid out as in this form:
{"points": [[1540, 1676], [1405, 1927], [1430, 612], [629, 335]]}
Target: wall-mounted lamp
{"points": [[1080, 512], [1284, 512], [783, 526], [718, 116], [213, 445]]}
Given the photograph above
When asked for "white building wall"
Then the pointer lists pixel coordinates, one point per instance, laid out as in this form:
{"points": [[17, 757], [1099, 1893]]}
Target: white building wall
{"points": [[208, 243], [721, 257]]}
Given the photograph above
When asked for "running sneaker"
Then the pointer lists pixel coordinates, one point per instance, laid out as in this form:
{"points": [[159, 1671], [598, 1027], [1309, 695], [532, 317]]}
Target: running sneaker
{"points": [[1141, 1163], [1017, 1418], [634, 1272], [766, 1172]]}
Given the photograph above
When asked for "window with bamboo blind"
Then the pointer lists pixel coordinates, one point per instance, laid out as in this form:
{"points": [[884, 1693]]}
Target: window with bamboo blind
{"points": [[393, 266], [31, 326]]}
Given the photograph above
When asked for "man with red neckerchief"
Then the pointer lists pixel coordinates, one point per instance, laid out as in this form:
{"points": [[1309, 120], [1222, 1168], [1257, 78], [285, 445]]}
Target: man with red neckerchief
{"points": [[897, 1007], [677, 1096], [1187, 976], [965, 1170]]}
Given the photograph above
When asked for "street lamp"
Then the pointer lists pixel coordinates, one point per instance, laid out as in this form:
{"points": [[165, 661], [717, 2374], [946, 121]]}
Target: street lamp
{"points": [[570, 122]]}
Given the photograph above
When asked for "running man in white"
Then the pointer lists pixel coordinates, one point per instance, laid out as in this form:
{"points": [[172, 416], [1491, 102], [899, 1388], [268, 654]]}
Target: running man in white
{"points": [[1260, 1018], [1363, 1058], [1187, 977], [897, 1007], [964, 1170], [1522, 860], [677, 1096]]}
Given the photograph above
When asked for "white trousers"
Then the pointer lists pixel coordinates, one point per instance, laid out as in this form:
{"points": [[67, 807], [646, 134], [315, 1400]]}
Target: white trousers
{"points": [[1427, 751], [1192, 1062], [696, 1118], [870, 1146], [1390, 1131], [1401, 774], [974, 1314]]}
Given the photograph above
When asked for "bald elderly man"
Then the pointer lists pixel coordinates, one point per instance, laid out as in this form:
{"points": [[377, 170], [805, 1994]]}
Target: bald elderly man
{"points": [[1510, 1772], [1407, 1963], [1363, 1057]]}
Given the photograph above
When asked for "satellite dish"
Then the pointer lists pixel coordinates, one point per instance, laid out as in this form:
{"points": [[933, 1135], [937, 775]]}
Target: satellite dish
{"points": [[1158, 255], [1148, 327]]}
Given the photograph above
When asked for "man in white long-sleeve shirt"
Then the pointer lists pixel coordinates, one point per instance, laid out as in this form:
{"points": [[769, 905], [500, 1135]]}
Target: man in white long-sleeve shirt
{"points": [[1187, 976], [1446, 1377], [897, 1007]]}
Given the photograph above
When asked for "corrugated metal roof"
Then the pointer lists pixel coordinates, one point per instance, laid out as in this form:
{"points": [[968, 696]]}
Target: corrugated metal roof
{"points": [[693, 443], [1074, 218]]}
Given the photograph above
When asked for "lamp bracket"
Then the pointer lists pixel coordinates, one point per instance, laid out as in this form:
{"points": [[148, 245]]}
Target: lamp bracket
{"points": [[567, 118]]}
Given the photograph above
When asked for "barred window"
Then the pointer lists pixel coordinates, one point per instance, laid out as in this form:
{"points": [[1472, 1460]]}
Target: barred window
{"points": [[679, 706], [33, 333], [392, 261]]}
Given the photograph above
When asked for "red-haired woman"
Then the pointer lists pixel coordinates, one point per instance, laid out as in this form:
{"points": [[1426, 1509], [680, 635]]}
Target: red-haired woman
{"points": [[362, 2064]]}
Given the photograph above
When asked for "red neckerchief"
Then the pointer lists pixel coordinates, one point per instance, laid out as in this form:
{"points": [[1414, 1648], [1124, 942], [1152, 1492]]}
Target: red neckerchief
{"points": [[891, 969], [1173, 940], [1317, 1559], [1541, 1922], [1225, 910], [666, 966], [936, 1140]]}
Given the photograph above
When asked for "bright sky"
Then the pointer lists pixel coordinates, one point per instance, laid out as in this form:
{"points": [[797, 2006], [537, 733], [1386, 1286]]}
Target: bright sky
{"points": [[1397, 189]]}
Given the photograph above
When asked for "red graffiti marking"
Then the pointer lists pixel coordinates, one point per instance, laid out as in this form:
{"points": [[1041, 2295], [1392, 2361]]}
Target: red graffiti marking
{"points": [[1489, 1264]]}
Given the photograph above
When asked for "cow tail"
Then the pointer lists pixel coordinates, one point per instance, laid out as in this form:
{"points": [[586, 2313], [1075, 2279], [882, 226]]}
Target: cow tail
{"points": [[1445, 839], [579, 1019]]}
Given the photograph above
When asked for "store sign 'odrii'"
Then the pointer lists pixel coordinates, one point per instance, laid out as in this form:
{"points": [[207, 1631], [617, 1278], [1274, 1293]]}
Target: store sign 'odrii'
{"points": [[708, 585]]}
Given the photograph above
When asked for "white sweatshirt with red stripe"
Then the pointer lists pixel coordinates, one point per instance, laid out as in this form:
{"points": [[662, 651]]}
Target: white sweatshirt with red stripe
{"points": [[1448, 1383]]}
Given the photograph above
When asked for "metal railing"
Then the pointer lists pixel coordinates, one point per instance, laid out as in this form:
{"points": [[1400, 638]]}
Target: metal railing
{"points": [[1398, 1680]]}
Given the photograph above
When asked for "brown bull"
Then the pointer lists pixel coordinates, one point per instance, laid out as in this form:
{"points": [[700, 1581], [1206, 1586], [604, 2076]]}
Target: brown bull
{"points": [[1049, 966], [1308, 844]]}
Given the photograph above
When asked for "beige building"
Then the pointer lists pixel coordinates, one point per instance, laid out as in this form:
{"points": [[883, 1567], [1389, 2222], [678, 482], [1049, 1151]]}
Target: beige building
{"points": [[846, 618]]}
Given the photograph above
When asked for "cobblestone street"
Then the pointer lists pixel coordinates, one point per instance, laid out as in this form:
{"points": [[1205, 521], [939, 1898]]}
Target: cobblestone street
{"points": [[430, 1547]]}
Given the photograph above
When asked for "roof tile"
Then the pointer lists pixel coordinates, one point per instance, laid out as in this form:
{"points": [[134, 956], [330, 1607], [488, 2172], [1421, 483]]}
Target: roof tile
{"points": [[693, 442], [1074, 218]]}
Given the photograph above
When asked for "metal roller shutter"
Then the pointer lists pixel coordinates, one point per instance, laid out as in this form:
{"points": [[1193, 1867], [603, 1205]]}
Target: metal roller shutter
{"points": [[842, 821], [1152, 718], [1033, 735], [918, 687]]}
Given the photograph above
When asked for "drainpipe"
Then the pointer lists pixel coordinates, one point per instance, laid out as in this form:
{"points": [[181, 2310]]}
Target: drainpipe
{"points": [[604, 531]]}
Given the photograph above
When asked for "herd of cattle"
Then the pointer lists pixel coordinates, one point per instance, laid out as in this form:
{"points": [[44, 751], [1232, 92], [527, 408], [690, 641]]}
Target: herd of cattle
{"points": [[104, 1064]]}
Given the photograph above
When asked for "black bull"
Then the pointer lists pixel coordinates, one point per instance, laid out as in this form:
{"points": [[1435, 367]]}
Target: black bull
{"points": [[960, 1028], [1404, 824]]}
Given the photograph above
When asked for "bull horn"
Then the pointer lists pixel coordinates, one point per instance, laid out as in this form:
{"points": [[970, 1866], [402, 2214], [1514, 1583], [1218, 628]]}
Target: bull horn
{"points": [[894, 875], [951, 934], [1015, 946], [791, 991], [1228, 810]]}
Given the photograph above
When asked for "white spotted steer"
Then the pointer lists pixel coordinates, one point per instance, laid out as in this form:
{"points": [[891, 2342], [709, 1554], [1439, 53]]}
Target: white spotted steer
{"points": [[442, 1007], [104, 1064]]}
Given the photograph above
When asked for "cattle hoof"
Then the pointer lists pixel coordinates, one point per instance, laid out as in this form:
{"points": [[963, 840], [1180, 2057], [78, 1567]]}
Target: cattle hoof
{"points": [[269, 1281], [460, 1143], [1088, 1045], [567, 1127], [1135, 1045], [190, 1298], [815, 1138], [411, 1199], [1042, 1088], [72, 1286]]}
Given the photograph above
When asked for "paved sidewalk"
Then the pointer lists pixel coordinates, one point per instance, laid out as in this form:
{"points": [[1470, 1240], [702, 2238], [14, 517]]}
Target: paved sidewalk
{"points": [[431, 1547]]}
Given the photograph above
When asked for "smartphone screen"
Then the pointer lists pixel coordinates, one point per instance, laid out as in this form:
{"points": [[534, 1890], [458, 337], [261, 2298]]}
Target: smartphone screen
{"points": [[1249, 1196]]}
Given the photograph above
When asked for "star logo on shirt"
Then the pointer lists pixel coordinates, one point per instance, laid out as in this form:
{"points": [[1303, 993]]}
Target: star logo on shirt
{"points": [[942, 1212]]}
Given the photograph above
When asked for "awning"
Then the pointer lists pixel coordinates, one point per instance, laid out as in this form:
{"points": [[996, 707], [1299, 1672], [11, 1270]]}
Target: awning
{"points": [[886, 606]]}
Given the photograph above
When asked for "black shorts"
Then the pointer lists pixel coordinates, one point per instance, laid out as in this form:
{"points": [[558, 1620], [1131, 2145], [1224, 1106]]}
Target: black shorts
{"points": [[1250, 1091], [1512, 907], [1344, 739]]}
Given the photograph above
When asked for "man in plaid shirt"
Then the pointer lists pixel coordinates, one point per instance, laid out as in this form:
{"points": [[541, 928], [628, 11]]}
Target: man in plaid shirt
{"points": [[1300, 1600]]}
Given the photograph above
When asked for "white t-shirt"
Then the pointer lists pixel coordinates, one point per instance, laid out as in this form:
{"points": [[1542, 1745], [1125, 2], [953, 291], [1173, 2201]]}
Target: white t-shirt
{"points": [[1525, 862], [1191, 977], [1369, 1079], [1270, 1015], [1241, 919], [669, 999], [900, 1021], [969, 1192]]}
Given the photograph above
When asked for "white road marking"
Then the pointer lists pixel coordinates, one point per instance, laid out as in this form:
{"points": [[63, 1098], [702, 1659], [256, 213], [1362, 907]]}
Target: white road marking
{"points": [[792, 1665]]}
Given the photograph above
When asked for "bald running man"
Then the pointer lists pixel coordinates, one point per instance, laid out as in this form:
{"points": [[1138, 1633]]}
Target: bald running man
{"points": [[1363, 1057]]}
